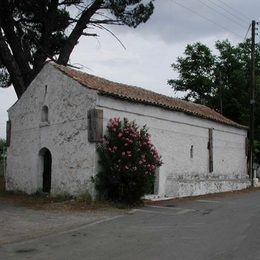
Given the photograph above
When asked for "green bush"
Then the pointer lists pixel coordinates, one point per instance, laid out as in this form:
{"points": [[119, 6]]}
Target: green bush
{"points": [[128, 161]]}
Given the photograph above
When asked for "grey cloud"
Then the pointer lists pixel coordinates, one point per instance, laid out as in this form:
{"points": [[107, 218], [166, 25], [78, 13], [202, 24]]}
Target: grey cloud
{"points": [[174, 24], [152, 47]]}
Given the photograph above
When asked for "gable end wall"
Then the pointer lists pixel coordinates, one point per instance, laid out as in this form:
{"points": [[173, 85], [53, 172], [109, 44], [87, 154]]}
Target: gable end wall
{"points": [[66, 135]]}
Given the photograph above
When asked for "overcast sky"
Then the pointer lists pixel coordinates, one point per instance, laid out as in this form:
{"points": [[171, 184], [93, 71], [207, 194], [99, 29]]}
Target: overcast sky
{"points": [[155, 45]]}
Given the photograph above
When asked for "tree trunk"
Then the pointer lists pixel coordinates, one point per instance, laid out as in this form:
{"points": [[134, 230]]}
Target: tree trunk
{"points": [[7, 24], [42, 53], [77, 32], [13, 69]]}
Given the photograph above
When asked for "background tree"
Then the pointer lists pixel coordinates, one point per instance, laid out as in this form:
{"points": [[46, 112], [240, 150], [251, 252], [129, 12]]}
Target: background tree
{"points": [[196, 70], [2, 144], [220, 81], [32, 31]]}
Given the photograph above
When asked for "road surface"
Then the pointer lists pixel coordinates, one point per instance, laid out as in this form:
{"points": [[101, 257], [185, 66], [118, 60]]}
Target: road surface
{"points": [[208, 228]]}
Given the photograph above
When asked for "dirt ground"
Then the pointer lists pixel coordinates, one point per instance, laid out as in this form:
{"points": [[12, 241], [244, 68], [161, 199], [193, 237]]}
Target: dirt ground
{"points": [[45, 202], [24, 217], [18, 223]]}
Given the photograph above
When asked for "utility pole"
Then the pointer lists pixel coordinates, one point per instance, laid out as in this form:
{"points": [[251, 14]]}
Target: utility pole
{"points": [[220, 90], [252, 105]]}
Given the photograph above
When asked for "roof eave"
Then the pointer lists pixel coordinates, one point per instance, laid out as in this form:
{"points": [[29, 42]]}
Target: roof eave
{"points": [[177, 109]]}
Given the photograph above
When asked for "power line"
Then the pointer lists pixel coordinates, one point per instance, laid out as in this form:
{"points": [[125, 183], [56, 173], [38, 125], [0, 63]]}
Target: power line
{"points": [[249, 27], [208, 19], [237, 11], [224, 15], [227, 11]]}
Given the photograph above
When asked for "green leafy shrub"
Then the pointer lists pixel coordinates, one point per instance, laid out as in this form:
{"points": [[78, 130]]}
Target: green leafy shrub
{"points": [[128, 161]]}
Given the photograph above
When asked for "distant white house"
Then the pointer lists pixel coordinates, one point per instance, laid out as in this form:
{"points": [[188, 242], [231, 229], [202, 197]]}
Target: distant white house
{"points": [[54, 127]]}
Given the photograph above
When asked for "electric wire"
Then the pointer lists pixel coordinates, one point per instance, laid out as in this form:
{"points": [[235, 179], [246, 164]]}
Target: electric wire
{"points": [[249, 27], [235, 10], [237, 17], [215, 10], [208, 19]]}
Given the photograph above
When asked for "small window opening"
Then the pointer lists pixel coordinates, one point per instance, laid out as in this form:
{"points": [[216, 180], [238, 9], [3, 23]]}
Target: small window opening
{"points": [[45, 114], [45, 90], [191, 151]]}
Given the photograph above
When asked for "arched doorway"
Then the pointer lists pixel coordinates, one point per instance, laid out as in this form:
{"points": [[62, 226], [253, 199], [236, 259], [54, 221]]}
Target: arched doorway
{"points": [[46, 162]]}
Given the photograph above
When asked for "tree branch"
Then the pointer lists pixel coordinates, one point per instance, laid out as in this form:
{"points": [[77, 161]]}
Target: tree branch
{"points": [[104, 28], [107, 21], [70, 2], [77, 31], [90, 34]]}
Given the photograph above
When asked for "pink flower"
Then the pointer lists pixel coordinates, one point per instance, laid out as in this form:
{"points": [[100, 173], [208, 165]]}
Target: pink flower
{"points": [[123, 153], [120, 135]]}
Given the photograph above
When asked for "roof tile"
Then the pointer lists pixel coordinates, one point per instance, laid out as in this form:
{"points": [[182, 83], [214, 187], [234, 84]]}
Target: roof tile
{"points": [[141, 95]]}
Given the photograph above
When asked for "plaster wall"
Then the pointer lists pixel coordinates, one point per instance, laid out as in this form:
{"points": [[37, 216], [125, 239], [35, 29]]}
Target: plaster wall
{"points": [[65, 135], [74, 159], [173, 133]]}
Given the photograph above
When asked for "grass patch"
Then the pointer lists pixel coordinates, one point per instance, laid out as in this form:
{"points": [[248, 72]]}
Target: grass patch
{"points": [[41, 200]]}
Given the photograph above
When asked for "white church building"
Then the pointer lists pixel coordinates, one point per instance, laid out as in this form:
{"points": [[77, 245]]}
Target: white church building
{"points": [[53, 130]]}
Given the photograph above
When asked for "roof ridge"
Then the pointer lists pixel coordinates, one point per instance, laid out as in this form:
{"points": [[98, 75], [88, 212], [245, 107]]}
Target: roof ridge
{"points": [[119, 83]]}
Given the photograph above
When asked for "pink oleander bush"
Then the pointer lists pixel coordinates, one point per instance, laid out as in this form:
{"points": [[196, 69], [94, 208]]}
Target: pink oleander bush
{"points": [[128, 161]]}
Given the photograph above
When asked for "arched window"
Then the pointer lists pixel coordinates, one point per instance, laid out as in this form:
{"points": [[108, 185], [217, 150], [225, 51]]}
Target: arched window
{"points": [[45, 114]]}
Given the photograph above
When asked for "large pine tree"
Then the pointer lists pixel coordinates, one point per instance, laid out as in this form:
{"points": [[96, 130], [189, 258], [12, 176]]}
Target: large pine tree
{"points": [[32, 31]]}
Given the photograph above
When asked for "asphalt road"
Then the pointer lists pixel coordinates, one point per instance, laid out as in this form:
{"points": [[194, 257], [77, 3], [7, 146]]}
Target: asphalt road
{"points": [[219, 228]]}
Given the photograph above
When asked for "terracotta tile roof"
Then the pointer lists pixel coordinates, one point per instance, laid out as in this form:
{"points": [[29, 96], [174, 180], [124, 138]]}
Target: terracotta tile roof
{"points": [[141, 95]]}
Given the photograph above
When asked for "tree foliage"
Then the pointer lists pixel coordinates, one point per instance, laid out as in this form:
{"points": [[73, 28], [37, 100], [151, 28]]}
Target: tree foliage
{"points": [[196, 71], [2, 143], [33, 31], [220, 80], [2, 147]]}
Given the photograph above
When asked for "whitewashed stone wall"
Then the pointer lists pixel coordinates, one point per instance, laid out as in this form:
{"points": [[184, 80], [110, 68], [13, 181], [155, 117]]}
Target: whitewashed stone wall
{"points": [[173, 133], [66, 136], [74, 159]]}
